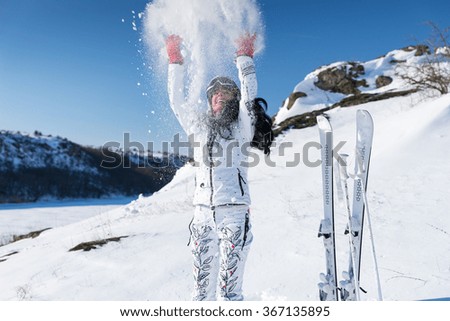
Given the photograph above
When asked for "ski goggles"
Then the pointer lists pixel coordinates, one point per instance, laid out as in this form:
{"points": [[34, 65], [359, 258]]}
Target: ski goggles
{"points": [[222, 84]]}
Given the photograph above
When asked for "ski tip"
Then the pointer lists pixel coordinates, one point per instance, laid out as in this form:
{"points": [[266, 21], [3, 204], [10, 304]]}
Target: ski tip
{"points": [[364, 115], [323, 123], [364, 119]]}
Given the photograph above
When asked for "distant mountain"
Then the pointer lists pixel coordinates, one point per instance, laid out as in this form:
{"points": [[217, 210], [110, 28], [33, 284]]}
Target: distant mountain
{"points": [[36, 166]]}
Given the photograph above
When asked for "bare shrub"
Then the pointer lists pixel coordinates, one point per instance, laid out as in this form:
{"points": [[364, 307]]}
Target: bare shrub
{"points": [[434, 70]]}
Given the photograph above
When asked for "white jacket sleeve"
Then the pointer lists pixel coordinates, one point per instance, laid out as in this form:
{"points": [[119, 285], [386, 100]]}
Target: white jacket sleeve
{"points": [[249, 89], [175, 87]]}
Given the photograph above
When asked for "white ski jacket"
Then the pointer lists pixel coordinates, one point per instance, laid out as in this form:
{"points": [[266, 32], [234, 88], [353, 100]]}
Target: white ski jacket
{"points": [[221, 176]]}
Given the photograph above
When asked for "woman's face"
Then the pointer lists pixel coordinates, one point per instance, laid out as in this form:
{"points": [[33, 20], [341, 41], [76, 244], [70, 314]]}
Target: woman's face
{"points": [[219, 100]]}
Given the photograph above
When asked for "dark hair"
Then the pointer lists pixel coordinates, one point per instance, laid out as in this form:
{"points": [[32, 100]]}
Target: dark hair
{"points": [[263, 137]]}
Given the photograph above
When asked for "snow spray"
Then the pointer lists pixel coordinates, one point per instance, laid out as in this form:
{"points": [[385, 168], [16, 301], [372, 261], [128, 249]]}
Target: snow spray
{"points": [[209, 30]]}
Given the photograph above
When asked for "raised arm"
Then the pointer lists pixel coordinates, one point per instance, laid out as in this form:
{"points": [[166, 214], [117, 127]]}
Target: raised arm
{"points": [[249, 85], [175, 83]]}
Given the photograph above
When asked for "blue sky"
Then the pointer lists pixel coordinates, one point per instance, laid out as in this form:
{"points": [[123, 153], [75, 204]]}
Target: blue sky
{"points": [[73, 68]]}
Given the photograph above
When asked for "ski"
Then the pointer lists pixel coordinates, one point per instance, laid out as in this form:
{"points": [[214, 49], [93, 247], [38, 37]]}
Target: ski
{"points": [[328, 284], [364, 137], [350, 284]]}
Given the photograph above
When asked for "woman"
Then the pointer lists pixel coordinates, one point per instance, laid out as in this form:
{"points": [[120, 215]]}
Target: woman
{"points": [[220, 230]]}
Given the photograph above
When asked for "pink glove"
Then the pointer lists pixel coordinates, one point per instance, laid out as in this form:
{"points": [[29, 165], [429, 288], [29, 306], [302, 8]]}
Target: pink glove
{"points": [[246, 45], [173, 43]]}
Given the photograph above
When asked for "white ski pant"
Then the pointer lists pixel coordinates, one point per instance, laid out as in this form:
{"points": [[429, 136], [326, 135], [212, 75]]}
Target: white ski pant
{"points": [[220, 241]]}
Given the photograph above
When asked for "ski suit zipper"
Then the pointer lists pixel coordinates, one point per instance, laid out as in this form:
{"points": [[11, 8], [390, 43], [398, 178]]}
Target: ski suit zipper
{"points": [[211, 165]]}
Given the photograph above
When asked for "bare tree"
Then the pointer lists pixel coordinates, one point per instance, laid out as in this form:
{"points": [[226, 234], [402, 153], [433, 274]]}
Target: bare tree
{"points": [[433, 72]]}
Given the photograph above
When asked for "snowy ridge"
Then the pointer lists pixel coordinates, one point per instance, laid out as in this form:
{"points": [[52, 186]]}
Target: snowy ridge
{"points": [[35, 167], [389, 65], [408, 195], [22, 150]]}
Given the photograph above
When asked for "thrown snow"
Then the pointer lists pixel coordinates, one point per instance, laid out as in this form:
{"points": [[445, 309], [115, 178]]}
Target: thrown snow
{"points": [[209, 30]]}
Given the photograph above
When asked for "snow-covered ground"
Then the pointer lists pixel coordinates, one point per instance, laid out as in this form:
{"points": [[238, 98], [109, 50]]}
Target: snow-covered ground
{"points": [[408, 193], [23, 218]]}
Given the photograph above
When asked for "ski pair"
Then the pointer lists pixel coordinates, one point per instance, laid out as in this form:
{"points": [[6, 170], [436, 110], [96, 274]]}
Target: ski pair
{"points": [[349, 286]]}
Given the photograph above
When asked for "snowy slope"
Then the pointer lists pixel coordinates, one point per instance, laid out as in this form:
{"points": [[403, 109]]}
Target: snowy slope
{"points": [[23, 218], [408, 194], [147, 257]]}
